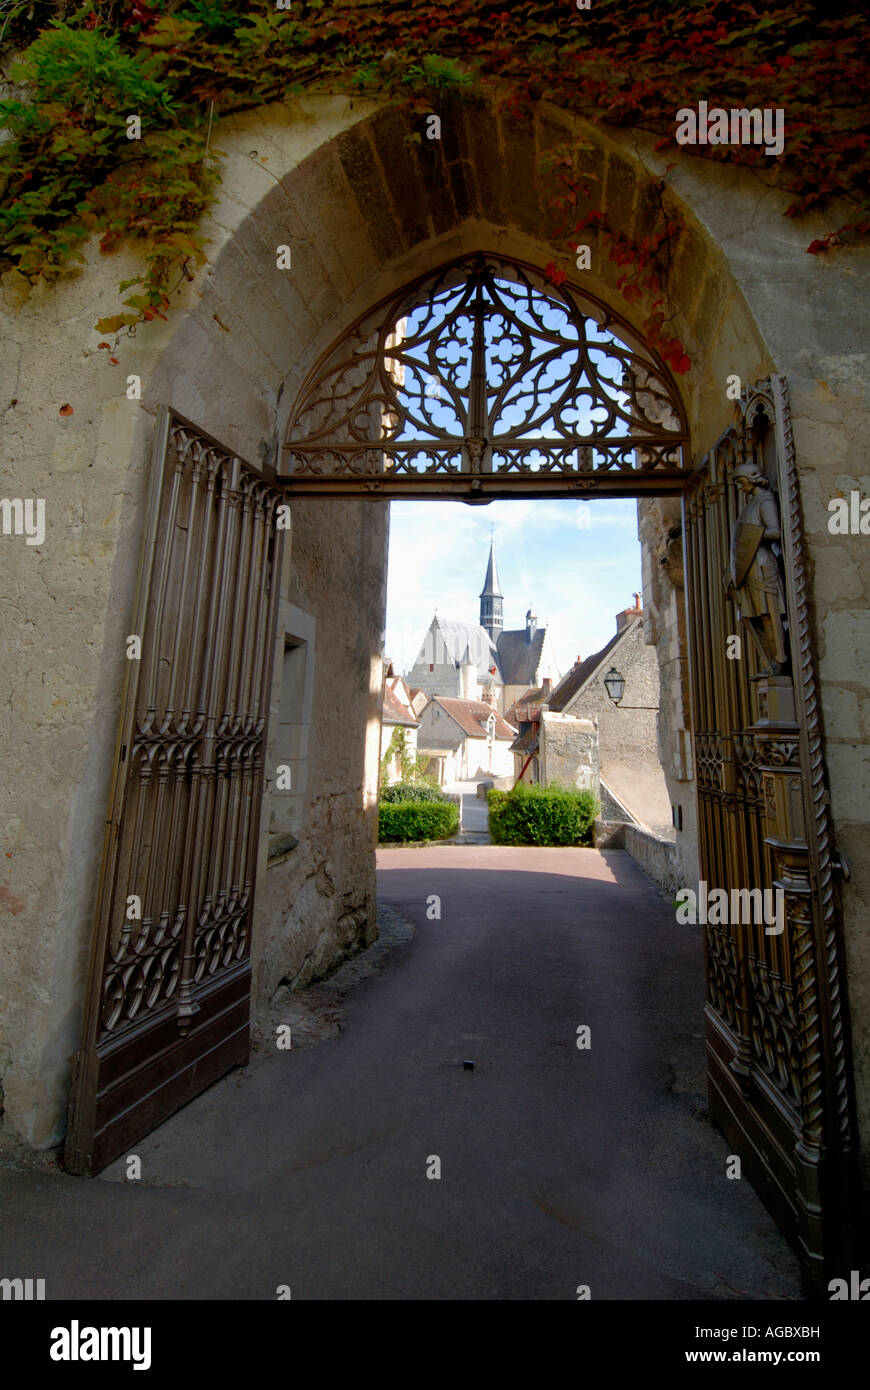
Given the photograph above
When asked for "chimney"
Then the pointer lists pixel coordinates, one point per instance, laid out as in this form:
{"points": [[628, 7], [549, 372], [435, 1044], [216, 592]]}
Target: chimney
{"points": [[627, 614], [546, 687]]}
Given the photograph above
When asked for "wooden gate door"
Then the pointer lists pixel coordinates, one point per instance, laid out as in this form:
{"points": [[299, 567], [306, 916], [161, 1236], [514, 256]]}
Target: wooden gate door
{"points": [[777, 1045], [167, 1010]]}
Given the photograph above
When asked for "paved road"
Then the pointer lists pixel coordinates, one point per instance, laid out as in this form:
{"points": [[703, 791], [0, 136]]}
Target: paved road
{"points": [[559, 1167], [475, 820]]}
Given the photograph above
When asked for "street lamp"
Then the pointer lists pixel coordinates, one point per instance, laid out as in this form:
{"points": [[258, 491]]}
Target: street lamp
{"points": [[614, 684]]}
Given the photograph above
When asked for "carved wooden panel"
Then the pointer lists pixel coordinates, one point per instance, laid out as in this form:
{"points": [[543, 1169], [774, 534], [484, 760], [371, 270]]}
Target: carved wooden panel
{"points": [[776, 1033]]}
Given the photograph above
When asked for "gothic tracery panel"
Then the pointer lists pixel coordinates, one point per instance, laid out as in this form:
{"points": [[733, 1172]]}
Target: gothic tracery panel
{"points": [[486, 375]]}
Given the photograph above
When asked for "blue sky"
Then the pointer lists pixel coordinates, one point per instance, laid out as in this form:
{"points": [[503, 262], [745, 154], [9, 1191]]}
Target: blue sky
{"points": [[576, 579]]}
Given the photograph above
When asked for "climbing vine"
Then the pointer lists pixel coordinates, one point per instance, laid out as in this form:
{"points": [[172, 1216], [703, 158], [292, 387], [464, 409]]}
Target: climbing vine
{"points": [[76, 72]]}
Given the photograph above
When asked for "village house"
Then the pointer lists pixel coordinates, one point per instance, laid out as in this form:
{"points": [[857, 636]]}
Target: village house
{"points": [[399, 725], [464, 739], [578, 734]]}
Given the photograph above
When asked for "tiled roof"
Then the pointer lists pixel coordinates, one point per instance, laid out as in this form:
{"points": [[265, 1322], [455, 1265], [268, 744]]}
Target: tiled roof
{"points": [[518, 712], [471, 716], [394, 712]]}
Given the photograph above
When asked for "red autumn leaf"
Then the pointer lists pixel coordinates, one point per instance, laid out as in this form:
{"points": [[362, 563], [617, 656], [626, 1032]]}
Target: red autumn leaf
{"points": [[114, 361], [105, 345], [631, 293], [66, 410], [816, 246], [765, 70], [556, 277]]}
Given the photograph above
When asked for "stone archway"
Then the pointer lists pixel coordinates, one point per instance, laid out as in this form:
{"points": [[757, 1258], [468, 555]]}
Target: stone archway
{"points": [[364, 209]]}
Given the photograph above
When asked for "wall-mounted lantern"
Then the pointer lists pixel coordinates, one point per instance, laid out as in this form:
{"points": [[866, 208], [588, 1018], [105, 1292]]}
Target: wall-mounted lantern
{"points": [[614, 684]]}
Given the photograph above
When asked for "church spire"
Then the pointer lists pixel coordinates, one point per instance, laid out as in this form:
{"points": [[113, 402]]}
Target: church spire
{"points": [[491, 597]]}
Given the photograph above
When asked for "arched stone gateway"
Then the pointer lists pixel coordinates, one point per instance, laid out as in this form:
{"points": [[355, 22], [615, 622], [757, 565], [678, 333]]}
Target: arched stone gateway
{"points": [[367, 212]]}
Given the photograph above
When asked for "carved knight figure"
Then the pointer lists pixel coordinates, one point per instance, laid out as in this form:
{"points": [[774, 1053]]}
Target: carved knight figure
{"points": [[753, 578]]}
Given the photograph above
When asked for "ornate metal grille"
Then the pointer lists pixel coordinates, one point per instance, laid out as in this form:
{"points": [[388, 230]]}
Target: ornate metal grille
{"points": [[485, 380], [168, 1001]]}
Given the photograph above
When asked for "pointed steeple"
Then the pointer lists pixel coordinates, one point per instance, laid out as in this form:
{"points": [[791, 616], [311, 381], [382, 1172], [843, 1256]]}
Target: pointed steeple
{"points": [[491, 597]]}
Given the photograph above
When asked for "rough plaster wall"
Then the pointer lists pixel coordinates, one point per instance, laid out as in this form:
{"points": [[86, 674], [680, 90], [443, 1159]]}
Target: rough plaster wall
{"points": [[664, 625], [364, 213], [67, 603], [319, 903]]}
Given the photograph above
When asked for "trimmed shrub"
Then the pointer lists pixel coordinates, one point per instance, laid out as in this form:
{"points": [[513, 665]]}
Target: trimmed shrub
{"points": [[417, 820], [412, 791], [541, 816]]}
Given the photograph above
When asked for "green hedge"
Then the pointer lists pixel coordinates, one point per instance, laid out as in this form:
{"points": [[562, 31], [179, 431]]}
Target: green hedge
{"points": [[417, 820], [541, 816], [412, 791]]}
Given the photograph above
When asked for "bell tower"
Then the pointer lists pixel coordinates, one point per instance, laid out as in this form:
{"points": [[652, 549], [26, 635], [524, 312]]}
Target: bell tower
{"points": [[491, 599]]}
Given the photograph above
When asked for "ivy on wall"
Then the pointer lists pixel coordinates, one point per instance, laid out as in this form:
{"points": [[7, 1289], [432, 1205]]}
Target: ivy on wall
{"points": [[78, 71]]}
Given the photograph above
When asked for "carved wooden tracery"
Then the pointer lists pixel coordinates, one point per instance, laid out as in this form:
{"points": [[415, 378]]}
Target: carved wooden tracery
{"points": [[776, 1021], [486, 379]]}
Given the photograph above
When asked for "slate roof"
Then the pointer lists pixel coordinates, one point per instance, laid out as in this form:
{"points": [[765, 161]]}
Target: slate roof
{"points": [[527, 741], [459, 636], [471, 716], [518, 659], [490, 584]]}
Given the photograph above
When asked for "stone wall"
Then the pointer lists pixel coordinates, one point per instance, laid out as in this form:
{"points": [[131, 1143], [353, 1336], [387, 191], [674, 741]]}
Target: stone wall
{"points": [[316, 902], [568, 751], [656, 857], [660, 533], [627, 735]]}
